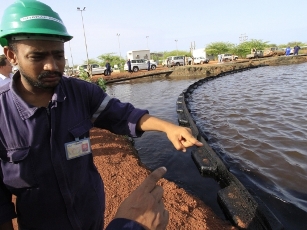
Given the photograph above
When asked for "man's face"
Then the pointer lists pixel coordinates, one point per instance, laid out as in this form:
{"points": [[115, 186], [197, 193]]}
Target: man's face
{"points": [[7, 69], [41, 63]]}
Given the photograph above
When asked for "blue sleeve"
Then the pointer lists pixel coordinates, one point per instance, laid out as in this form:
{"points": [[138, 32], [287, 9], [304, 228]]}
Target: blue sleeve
{"points": [[124, 224], [120, 118]]}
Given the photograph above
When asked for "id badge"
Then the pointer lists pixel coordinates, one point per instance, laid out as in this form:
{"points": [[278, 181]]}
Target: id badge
{"points": [[77, 148]]}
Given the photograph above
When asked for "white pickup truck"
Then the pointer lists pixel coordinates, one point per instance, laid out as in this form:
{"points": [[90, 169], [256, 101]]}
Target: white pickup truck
{"points": [[200, 60], [229, 57], [139, 64], [96, 69]]}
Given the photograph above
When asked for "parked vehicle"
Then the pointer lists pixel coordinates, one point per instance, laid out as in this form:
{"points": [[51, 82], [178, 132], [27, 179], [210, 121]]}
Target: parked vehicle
{"points": [[139, 64], [175, 61], [200, 56], [273, 51], [255, 54], [200, 60], [229, 57], [96, 69]]}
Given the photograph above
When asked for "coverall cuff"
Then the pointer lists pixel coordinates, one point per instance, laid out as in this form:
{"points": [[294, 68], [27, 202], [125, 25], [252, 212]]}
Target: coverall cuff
{"points": [[133, 119]]}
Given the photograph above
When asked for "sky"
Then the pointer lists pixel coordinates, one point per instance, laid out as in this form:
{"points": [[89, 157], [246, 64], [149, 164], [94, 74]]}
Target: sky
{"points": [[119, 26]]}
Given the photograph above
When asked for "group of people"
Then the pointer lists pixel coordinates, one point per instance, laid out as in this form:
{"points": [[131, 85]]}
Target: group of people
{"points": [[295, 50], [45, 150]]}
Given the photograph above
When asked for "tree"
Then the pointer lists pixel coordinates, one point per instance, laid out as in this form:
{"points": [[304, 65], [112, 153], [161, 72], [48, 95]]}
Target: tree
{"points": [[175, 52], [292, 44], [216, 48], [245, 48], [90, 61], [113, 60]]}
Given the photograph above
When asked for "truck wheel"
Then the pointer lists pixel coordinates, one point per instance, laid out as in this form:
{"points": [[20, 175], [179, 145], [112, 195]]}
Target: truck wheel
{"points": [[135, 69], [153, 67], [177, 64]]}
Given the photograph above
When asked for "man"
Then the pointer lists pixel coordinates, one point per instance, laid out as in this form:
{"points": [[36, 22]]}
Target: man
{"points": [[108, 68], [129, 66], [5, 70], [148, 65], [45, 119], [296, 49], [288, 50]]}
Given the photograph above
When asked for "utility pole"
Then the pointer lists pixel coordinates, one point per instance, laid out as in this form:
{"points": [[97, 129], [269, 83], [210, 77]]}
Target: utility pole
{"points": [[72, 61], [147, 41], [176, 46], [119, 45], [89, 69], [243, 38]]}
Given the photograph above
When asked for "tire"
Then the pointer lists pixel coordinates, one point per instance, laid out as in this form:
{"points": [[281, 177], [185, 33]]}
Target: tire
{"points": [[153, 67], [177, 64], [135, 69]]}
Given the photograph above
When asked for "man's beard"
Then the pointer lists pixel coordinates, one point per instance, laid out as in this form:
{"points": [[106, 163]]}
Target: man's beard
{"points": [[37, 83]]}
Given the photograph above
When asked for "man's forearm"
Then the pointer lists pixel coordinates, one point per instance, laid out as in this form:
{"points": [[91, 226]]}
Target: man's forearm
{"points": [[150, 123], [181, 137]]}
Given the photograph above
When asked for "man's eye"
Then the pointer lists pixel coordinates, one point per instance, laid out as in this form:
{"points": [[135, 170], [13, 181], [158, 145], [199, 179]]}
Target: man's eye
{"points": [[36, 57], [59, 56]]}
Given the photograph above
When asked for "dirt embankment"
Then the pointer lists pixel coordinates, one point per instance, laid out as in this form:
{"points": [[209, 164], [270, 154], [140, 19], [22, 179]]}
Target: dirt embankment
{"points": [[211, 69]]}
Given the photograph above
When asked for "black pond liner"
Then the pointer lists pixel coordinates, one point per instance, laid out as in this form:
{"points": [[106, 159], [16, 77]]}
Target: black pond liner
{"points": [[243, 210]]}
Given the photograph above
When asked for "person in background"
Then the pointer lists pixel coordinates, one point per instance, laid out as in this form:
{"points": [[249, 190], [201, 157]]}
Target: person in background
{"points": [[108, 68], [148, 65], [288, 51], [296, 49], [5, 70], [218, 58], [129, 66], [45, 150]]}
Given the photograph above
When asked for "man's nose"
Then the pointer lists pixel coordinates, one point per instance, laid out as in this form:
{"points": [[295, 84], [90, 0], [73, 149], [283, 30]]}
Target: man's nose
{"points": [[51, 64]]}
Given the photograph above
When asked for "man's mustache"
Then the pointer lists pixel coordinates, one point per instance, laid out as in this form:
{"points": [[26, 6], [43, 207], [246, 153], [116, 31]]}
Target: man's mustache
{"points": [[48, 73]]}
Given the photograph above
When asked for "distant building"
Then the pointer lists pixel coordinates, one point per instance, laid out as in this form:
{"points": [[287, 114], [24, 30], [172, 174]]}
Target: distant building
{"points": [[138, 54]]}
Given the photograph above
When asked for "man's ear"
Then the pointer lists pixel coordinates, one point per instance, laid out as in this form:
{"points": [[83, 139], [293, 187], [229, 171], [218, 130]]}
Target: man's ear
{"points": [[10, 55]]}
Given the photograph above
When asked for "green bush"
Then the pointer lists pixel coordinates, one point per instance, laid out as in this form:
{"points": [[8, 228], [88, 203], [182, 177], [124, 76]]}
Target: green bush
{"points": [[83, 75], [102, 83]]}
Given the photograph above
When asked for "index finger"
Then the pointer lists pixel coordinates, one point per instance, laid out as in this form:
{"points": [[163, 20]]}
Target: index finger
{"points": [[150, 182], [189, 140]]}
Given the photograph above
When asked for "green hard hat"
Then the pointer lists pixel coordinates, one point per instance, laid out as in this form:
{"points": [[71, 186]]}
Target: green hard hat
{"points": [[31, 19]]}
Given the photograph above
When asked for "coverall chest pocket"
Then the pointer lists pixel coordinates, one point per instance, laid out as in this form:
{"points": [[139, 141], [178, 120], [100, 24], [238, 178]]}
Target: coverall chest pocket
{"points": [[81, 129], [17, 169]]}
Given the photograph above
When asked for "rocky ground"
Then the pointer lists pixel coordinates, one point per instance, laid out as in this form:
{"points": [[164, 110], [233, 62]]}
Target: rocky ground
{"points": [[122, 172]]}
